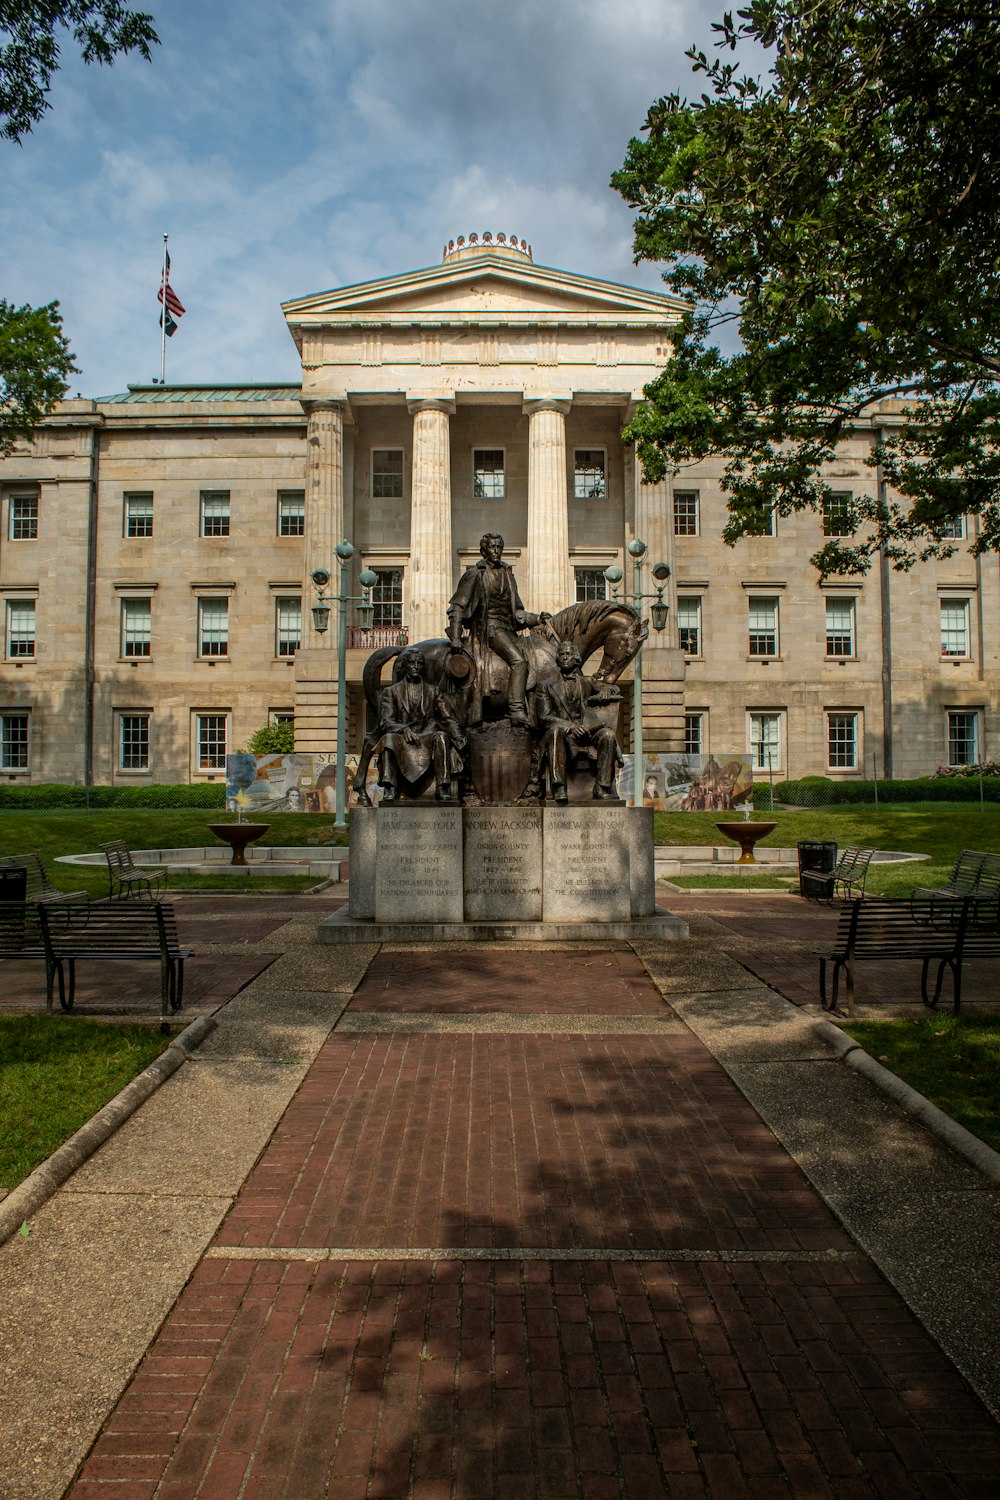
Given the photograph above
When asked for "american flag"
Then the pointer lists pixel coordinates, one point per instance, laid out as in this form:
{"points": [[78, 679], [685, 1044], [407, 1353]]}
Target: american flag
{"points": [[174, 307]]}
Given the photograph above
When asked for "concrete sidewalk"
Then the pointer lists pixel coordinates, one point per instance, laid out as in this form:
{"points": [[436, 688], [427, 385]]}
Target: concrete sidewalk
{"points": [[512, 1223]]}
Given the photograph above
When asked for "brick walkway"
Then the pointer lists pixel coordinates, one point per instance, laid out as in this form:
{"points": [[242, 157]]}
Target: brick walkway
{"points": [[482, 1260]]}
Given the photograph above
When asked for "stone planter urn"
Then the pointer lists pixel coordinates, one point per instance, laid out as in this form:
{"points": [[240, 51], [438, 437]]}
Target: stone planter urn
{"points": [[746, 835], [238, 835]]}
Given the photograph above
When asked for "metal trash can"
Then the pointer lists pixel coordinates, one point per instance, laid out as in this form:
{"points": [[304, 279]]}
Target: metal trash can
{"points": [[816, 857]]}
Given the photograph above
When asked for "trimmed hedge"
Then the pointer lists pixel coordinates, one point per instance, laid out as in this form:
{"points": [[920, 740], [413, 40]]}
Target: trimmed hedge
{"points": [[820, 791], [49, 795]]}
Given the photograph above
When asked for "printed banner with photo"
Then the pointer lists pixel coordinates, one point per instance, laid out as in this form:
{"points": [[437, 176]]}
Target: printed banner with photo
{"points": [[288, 783], [691, 783]]}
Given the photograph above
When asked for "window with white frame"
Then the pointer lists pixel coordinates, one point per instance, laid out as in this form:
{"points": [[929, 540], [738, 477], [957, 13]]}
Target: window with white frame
{"points": [[763, 625], [291, 512], [685, 512], [694, 736], [215, 512], [765, 741], [24, 516], [281, 716], [133, 742], [588, 474], [955, 627], [840, 627], [138, 515], [137, 627], [590, 584], [213, 627], [387, 473], [842, 741], [287, 626], [387, 597], [14, 724], [488, 481], [20, 629], [953, 530], [763, 524], [838, 513], [963, 737], [211, 739], [689, 624]]}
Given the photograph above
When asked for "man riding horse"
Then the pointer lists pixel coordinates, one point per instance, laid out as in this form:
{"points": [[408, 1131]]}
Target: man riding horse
{"points": [[488, 604]]}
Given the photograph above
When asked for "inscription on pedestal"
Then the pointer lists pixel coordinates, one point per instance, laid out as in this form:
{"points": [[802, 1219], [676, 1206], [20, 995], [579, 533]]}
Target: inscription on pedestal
{"points": [[503, 864], [418, 874], [585, 869]]}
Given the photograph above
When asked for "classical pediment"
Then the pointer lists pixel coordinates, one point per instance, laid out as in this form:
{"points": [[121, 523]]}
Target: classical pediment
{"points": [[485, 288]]}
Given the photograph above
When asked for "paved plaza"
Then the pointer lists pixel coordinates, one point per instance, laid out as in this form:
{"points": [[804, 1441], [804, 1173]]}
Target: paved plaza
{"points": [[491, 1224]]}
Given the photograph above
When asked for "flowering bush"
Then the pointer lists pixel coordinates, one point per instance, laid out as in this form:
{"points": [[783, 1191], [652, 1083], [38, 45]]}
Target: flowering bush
{"points": [[979, 768]]}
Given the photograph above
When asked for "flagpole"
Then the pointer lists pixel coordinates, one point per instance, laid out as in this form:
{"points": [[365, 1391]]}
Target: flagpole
{"points": [[163, 316]]}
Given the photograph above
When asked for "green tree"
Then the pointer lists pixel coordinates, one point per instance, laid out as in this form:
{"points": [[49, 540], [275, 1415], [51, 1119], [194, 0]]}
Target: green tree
{"points": [[840, 206], [35, 357], [29, 49], [273, 739]]}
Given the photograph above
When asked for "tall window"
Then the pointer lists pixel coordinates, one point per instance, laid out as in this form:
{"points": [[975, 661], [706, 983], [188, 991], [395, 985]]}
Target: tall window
{"points": [[963, 737], [387, 473], [387, 597], [210, 731], [215, 512], [213, 627], [488, 474], [291, 513], [14, 741], [685, 512], [590, 584], [20, 628], [765, 741], [953, 530], [838, 513], [24, 518], [763, 523], [288, 626], [763, 627], [588, 474], [954, 627], [842, 742], [137, 627], [689, 624], [694, 738], [139, 515], [840, 627], [133, 742]]}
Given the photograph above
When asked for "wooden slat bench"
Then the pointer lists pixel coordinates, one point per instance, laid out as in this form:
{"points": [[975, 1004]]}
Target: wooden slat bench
{"points": [[117, 931], [125, 878], [39, 887], [21, 937], [883, 929], [975, 874], [846, 879]]}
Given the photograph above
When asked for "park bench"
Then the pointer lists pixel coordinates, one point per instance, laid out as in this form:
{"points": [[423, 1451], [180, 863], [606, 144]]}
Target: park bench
{"points": [[882, 929], [845, 880], [125, 878], [128, 931], [975, 876], [21, 937], [38, 887]]}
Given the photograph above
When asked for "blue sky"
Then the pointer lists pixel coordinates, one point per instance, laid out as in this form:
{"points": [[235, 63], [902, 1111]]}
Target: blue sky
{"points": [[287, 148]]}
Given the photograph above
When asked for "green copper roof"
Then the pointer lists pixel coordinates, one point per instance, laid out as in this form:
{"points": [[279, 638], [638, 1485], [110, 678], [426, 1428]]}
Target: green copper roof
{"points": [[162, 393]]}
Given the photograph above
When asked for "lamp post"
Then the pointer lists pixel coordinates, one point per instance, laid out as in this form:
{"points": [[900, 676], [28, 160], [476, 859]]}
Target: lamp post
{"points": [[321, 619], [637, 550]]}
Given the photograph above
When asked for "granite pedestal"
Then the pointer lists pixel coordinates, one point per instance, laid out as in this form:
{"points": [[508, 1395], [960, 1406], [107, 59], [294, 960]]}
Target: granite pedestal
{"points": [[421, 872]]}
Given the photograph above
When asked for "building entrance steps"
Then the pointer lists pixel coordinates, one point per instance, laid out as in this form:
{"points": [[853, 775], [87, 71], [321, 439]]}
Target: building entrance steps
{"points": [[519, 1233]]}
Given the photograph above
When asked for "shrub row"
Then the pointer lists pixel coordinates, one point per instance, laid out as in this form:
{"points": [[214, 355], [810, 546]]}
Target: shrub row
{"points": [[49, 795], [819, 791]]}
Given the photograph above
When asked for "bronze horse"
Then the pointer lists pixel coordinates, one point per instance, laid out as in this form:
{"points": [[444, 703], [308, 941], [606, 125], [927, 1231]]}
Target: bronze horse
{"points": [[599, 624]]}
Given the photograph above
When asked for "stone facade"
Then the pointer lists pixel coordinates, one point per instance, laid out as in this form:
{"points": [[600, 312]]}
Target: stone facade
{"points": [[156, 547]]}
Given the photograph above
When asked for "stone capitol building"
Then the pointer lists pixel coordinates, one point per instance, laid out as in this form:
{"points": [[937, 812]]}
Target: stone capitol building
{"points": [[157, 546]]}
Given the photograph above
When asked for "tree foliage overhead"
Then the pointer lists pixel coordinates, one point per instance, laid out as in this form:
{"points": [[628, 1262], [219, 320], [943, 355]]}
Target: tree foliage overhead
{"points": [[29, 50], [35, 362], [846, 203]]}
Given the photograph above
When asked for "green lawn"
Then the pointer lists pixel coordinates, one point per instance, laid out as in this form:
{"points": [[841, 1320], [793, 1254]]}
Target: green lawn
{"points": [[55, 1072], [75, 832], [954, 1061]]}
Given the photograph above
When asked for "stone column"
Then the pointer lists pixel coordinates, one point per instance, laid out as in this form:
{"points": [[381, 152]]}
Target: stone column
{"points": [[429, 578], [316, 659], [547, 584]]}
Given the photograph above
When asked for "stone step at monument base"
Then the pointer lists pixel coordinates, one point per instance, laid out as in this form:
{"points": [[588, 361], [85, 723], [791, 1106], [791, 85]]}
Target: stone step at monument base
{"points": [[341, 927]]}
